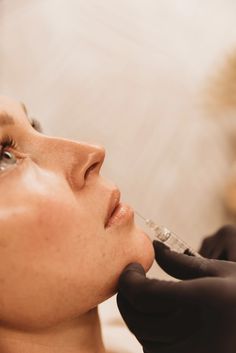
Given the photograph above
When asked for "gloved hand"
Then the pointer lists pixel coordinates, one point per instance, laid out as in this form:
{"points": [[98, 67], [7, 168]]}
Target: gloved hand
{"points": [[195, 315], [221, 245]]}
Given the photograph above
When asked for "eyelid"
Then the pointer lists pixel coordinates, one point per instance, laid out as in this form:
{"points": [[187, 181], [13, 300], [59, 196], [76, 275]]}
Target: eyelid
{"points": [[13, 169], [17, 153], [20, 158]]}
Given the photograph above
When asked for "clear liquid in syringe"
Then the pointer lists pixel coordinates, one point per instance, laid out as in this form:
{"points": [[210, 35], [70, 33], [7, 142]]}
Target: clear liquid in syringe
{"points": [[167, 237]]}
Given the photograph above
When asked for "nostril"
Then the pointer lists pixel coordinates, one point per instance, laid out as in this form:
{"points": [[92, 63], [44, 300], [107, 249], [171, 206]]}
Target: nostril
{"points": [[90, 169]]}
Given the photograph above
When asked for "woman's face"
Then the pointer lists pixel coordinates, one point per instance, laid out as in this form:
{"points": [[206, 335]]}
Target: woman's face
{"points": [[60, 254]]}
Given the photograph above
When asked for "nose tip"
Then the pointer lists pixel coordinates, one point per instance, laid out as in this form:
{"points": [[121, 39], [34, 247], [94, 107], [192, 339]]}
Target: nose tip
{"points": [[88, 162], [95, 160], [97, 154], [101, 151]]}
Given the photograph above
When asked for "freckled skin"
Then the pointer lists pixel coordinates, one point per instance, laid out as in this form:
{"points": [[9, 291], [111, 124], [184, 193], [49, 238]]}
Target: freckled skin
{"points": [[57, 259]]}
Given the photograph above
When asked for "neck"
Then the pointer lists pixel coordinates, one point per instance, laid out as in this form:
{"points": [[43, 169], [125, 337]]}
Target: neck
{"points": [[81, 335]]}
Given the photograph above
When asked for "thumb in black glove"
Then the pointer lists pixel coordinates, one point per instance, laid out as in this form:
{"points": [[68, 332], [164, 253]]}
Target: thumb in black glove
{"points": [[197, 314]]}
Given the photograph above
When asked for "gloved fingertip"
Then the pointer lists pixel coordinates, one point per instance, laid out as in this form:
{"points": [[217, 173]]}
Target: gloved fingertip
{"points": [[159, 246], [135, 267]]}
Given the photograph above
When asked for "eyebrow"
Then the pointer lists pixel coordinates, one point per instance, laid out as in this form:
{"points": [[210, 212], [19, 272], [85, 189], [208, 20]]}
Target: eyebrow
{"points": [[6, 119]]}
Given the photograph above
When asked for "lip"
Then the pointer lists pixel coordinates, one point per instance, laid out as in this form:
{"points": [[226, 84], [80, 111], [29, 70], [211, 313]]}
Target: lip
{"points": [[121, 215], [113, 203]]}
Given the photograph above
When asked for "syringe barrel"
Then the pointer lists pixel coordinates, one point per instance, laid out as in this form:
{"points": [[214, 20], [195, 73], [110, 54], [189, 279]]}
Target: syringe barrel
{"points": [[174, 242]]}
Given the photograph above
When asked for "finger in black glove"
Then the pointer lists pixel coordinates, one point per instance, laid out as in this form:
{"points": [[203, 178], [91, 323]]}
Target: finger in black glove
{"points": [[197, 314], [221, 245]]}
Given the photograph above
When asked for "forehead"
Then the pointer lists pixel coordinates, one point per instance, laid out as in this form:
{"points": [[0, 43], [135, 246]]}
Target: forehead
{"points": [[12, 111]]}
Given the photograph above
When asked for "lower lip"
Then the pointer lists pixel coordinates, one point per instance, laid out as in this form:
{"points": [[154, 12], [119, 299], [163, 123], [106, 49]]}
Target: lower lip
{"points": [[122, 215]]}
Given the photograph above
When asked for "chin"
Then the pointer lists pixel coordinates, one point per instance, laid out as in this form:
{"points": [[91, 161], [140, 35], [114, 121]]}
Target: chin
{"points": [[144, 251], [139, 249]]}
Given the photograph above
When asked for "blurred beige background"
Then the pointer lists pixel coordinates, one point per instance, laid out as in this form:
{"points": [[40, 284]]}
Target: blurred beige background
{"points": [[130, 75]]}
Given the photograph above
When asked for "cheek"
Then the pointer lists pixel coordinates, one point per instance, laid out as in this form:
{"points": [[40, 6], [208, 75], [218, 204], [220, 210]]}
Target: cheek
{"points": [[41, 227], [51, 233], [51, 225], [38, 256]]}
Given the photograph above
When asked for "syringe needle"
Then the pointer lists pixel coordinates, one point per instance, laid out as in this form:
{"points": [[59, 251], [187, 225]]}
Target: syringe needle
{"points": [[152, 225], [138, 214]]}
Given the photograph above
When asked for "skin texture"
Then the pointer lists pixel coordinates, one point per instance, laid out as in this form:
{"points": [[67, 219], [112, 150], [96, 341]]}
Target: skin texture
{"points": [[58, 260]]}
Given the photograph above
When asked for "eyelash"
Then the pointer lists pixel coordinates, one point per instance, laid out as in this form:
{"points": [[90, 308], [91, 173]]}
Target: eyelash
{"points": [[7, 142]]}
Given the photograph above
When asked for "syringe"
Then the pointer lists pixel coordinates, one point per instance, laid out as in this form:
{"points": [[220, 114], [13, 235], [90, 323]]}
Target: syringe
{"points": [[167, 237]]}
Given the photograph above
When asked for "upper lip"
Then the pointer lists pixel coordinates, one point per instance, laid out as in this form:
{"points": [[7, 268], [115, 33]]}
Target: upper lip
{"points": [[113, 203]]}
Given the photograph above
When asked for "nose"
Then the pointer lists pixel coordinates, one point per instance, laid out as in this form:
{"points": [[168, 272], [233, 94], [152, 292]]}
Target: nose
{"points": [[86, 164], [79, 162]]}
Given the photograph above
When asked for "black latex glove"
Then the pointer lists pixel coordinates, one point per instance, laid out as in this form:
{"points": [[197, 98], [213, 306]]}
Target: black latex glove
{"points": [[221, 245], [196, 315]]}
